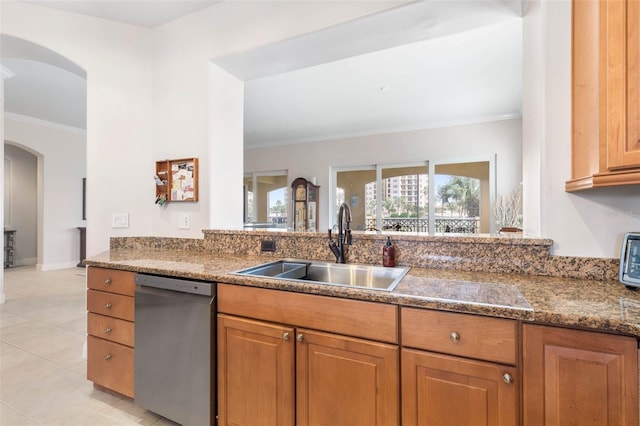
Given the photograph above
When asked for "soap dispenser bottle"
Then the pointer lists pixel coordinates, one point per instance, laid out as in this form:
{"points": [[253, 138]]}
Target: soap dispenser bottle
{"points": [[388, 254]]}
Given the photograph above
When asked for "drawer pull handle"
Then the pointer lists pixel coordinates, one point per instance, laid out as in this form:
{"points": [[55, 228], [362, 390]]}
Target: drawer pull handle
{"points": [[107, 357], [285, 336], [107, 306], [454, 337], [507, 378], [107, 330], [107, 281], [300, 337]]}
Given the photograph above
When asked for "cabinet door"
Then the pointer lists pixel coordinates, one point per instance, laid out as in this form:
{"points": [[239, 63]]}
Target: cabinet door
{"points": [[345, 381], [623, 77], [255, 373], [110, 365], [575, 377], [446, 390]]}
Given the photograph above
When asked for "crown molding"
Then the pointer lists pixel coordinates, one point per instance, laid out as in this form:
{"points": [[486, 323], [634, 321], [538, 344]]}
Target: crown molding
{"points": [[44, 123], [384, 131]]}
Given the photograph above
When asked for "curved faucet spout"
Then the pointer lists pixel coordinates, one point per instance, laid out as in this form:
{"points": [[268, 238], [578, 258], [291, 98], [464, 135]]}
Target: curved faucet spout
{"points": [[344, 233]]}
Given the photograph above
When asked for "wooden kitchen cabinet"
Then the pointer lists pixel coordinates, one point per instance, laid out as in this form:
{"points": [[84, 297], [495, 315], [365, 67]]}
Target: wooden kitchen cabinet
{"points": [[605, 93], [449, 373], [110, 328], [445, 390], [256, 375], [578, 377], [345, 381], [304, 376]]}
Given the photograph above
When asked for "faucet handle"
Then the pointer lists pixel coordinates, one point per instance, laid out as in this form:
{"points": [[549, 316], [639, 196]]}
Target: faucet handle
{"points": [[349, 239], [329, 231]]}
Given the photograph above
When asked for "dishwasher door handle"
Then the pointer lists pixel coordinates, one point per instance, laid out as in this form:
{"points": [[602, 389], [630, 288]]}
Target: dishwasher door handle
{"points": [[175, 296]]}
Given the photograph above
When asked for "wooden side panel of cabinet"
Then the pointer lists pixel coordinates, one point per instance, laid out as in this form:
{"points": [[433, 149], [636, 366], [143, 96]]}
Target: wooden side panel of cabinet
{"points": [[342, 381], [578, 377], [445, 390], [586, 69], [256, 381]]}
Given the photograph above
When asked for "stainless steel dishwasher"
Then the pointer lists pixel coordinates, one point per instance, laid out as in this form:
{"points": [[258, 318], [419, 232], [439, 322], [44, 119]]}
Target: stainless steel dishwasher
{"points": [[174, 367]]}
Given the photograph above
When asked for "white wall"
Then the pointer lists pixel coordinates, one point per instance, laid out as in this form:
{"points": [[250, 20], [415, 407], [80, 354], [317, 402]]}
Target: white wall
{"points": [[315, 159], [21, 200], [589, 223], [186, 103], [117, 60], [2, 77], [61, 167], [148, 99]]}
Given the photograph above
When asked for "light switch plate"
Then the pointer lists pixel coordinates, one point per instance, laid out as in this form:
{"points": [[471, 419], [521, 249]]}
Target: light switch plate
{"points": [[119, 220], [184, 221]]}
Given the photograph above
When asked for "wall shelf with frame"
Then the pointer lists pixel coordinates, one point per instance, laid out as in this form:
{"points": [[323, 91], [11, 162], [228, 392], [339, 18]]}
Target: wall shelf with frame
{"points": [[177, 180]]}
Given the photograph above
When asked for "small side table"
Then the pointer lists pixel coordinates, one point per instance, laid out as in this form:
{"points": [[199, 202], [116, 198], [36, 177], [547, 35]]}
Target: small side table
{"points": [[83, 245], [9, 247]]}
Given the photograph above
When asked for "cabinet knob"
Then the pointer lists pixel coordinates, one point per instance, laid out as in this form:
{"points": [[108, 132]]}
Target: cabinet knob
{"points": [[107, 330], [454, 337], [300, 337], [107, 357], [107, 281], [107, 306], [507, 378], [285, 336]]}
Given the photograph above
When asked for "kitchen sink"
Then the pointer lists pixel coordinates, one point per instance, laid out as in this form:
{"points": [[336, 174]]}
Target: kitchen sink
{"points": [[341, 274]]}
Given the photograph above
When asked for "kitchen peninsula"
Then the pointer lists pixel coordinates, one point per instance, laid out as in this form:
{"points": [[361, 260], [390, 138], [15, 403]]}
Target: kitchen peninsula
{"points": [[499, 312]]}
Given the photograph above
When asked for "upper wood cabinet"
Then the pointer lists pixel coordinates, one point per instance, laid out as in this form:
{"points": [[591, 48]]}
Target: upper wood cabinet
{"points": [[605, 102]]}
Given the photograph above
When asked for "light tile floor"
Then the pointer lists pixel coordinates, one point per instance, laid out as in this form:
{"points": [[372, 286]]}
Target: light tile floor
{"points": [[42, 366]]}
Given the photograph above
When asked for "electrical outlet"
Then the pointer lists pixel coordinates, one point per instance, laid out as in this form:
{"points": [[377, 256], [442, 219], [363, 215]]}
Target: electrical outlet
{"points": [[267, 245], [184, 221], [119, 220]]}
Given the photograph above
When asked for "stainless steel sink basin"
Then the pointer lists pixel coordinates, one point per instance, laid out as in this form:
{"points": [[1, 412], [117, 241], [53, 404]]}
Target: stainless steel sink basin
{"points": [[343, 274]]}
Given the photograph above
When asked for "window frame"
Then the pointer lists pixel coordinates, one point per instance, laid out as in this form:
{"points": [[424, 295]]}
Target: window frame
{"points": [[431, 167]]}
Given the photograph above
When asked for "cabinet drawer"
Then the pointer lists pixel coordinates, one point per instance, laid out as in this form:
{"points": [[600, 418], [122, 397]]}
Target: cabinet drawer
{"points": [[110, 365], [111, 280], [113, 305], [369, 320], [114, 329], [490, 339]]}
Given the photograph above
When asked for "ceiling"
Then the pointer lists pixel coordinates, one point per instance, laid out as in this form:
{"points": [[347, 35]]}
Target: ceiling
{"points": [[425, 64], [143, 13]]}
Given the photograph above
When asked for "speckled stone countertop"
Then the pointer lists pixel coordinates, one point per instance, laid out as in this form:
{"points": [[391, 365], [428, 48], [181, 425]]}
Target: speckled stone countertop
{"points": [[604, 305]]}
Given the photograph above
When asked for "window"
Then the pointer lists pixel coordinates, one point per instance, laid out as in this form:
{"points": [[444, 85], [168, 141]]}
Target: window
{"points": [[456, 194], [266, 196]]}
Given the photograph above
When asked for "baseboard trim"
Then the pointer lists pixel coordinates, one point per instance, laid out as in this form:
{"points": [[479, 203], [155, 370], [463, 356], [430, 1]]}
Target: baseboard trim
{"points": [[55, 266]]}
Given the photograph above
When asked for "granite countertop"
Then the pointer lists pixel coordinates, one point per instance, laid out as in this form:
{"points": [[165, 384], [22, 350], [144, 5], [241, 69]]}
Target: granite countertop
{"points": [[600, 305]]}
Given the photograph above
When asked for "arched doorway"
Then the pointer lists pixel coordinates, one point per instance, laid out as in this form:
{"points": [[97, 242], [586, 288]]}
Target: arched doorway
{"points": [[45, 114]]}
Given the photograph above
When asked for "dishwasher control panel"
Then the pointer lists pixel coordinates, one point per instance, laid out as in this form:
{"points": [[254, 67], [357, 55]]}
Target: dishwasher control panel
{"points": [[176, 284]]}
